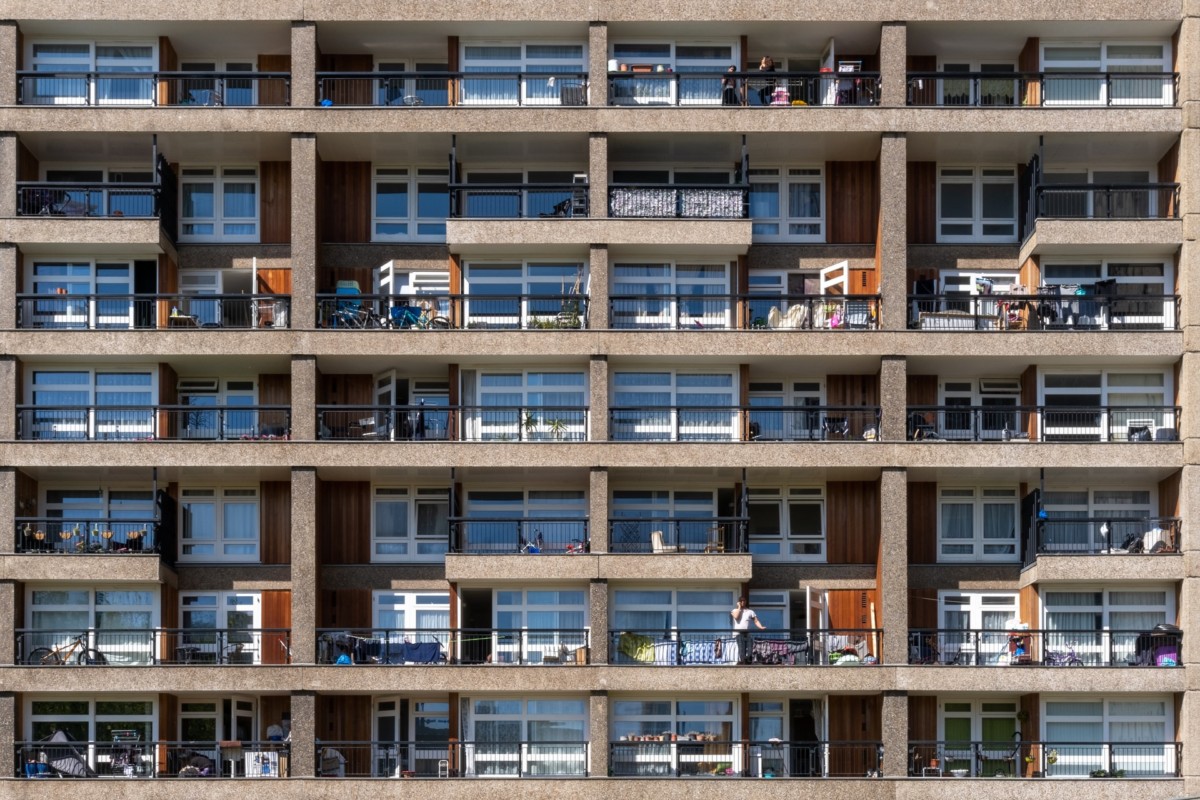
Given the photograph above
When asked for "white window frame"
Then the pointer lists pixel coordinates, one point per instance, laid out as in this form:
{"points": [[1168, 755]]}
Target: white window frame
{"points": [[218, 92], [998, 66], [1094, 649], [655, 426], [531, 89], [533, 276], [83, 276], [788, 400], [1072, 763], [956, 644], [220, 497], [219, 177], [782, 178], [495, 759], [128, 649], [411, 227], [97, 752], [536, 423], [663, 90], [978, 178], [90, 64], [669, 758], [785, 545], [537, 642], [978, 712], [98, 425], [1154, 416], [1093, 70], [403, 750], [233, 646], [416, 545], [978, 497], [664, 308]]}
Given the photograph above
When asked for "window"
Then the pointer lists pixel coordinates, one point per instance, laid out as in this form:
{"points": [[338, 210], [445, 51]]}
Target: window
{"points": [[711, 720], [1106, 405], [410, 204], [119, 622], [525, 406], [977, 524], [1075, 516], [419, 728], [218, 524], [545, 623], [788, 523], [224, 91], [671, 295], [89, 512], [974, 626], [221, 627], [1101, 194], [218, 204], [550, 64], [524, 295], [977, 204], [412, 90], [1125, 295], [658, 612], [1122, 86], [979, 735], [637, 512], [776, 413], [91, 723], [526, 736], [787, 204], [410, 523], [198, 394], [995, 401], [968, 91], [553, 517], [1133, 733], [640, 87], [211, 720], [674, 406], [1103, 625], [109, 87], [86, 404], [413, 616]]}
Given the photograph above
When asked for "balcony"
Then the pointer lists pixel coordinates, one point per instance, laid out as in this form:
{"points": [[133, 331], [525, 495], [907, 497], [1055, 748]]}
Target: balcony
{"points": [[132, 758], [662, 535], [1045, 89], [744, 312], [426, 646], [102, 536], [153, 423], [744, 423], [724, 647], [157, 646], [152, 312], [679, 201], [141, 89], [1051, 309], [643, 86], [1105, 201], [1012, 423], [453, 423], [1052, 759], [102, 200], [1086, 536], [458, 311], [507, 536], [1046, 648], [453, 759], [443, 89], [693, 754], [520, 200]]}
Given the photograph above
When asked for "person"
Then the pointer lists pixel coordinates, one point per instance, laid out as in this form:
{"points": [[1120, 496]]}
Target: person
{"points": [[731, 88], [767, 89], [743, 615]]}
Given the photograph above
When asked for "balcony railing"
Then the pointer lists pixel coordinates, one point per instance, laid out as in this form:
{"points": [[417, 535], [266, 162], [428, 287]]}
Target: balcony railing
{"points": [[1065, 89], [151, 311], [100, 536], [454, 759], [518, 200], [778, 648], [544, 424], [153, 646], [134, 758], [506, 536], [1005, 423], [442, 312], [685, 201], [644, 86], [388, 88], [432, 646], [111, 200], [1048, 648], [1052, 759], [1111, 201], [1050, 309], [657, 535], [164, 423], [1106, 536], [743, 423], [83, 88], [695, 754]]}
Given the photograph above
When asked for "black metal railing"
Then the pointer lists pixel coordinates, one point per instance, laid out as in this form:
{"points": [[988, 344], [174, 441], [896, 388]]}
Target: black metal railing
{"points": [[433, 646], [1051, 759], [779, 648], [648, 85], [462, 423], [1050, 648], [153, 646], [160, 423], [1031, 89], [1050, 309], [678, 535], [453, 759], [442, 312], [1010, 422], [776, 758], [696, 754], [811, 312], [127, 756], [686, 201], [743, 423], [152, 311], [1106, 201], [410, 89], [506, 536], [202, 89], [111, 200], [518, 200], [1106, 536], [100, 536], [390, 759]]}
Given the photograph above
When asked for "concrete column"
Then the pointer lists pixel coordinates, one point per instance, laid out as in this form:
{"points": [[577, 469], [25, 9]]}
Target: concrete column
{"points": [[8, 398], [9, 145], [1189, 395], [9, 735], [895, 734], [8, 273], [304, 397], [893, 231], [10, 59], [893, 64], [598, 175], [598, 615], [8, 612], [1188, 175], [305, 571], [892, 611], [598, 283], [893, 398], [1187, 57], [598, 399], [1189, 721], [304, 231], [598, 64], [598, 734], [597, 509], [304, 64], [302, 759], [8, 513]]}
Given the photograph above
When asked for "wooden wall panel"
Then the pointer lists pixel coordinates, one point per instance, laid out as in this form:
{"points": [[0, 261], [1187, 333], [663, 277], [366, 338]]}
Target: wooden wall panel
{"points": [[275, 521], [345, 608], [349, 92], [922, 522], [922, 390], [276, 613], [1168, 172], [852, 522], [851, 201], [271, 708], [922, 202], [1168, 495], [1028, 606], [1029, 393], [274, 281], [852, 390], [346, 390], [344, 519], [275, 203], [923, 608], [926, 93], [168, 395], [28, 168], [849, 608], [168, 61], [1030, 60], [168, 729], [853, 718], [346, 718], [26, 495], [273, 93], [345, 203], [922, 718], [275, 389]]}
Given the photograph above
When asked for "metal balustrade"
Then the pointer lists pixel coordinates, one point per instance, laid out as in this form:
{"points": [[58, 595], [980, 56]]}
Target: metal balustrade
{"points": [[109, 200], [1034, 89], [1072, 536], [1048, 310], [174, 89], [434, 646], [1014, 758], [98, 536], [152, 311], [445, 88], [647, 85], [153, 646], [818, 647], [1005, 422], [685, 201], [507, 536], [658, 535], [1050, 648], [1107, 201], [743, 423], [158, 423], [128, 756], [518, 200]]}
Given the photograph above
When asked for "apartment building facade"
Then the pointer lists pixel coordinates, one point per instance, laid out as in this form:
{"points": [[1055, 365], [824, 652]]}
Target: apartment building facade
{"points": [[397, 399]]}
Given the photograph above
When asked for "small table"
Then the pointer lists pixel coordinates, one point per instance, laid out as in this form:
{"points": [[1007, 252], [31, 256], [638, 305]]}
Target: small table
{"points": [[183, 321]]}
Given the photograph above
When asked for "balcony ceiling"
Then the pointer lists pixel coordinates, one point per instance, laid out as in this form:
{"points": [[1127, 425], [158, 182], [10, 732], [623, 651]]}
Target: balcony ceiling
{"points": [[995, 366], [1054, 477], [725, 149], [98, 474], [1004, 39], [507, 150], [1060, 150], [137, 149], [191, 40]]}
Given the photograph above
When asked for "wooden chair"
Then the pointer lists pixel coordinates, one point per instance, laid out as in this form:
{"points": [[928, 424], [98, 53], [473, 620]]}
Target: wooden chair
{"points": [[657, 546], [716, 539]]}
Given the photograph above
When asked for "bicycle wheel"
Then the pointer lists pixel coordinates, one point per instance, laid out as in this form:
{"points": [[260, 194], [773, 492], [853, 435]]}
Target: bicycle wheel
{"points": [[1074, 662], [89, 657], [43, 656]]}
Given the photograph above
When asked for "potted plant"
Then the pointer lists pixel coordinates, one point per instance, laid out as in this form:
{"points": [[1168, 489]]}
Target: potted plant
{"points": [[557, 428]]}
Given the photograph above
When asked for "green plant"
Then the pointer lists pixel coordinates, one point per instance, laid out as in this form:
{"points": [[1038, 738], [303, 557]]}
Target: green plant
{"points": [[557, 427], [1052, 757], [530, 423]]}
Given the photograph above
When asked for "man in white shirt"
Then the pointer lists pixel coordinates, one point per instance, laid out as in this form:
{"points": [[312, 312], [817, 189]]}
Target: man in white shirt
{"points": [[743, 615]]}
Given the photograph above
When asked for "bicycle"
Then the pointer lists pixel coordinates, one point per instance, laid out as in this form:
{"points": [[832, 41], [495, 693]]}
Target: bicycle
{"points": [[52, 656], [1057, 658]]}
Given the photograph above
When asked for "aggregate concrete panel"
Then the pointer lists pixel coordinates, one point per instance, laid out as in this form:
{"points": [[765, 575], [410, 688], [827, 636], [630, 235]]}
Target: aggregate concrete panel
{"points": [[482, 236], [672, 568]]}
